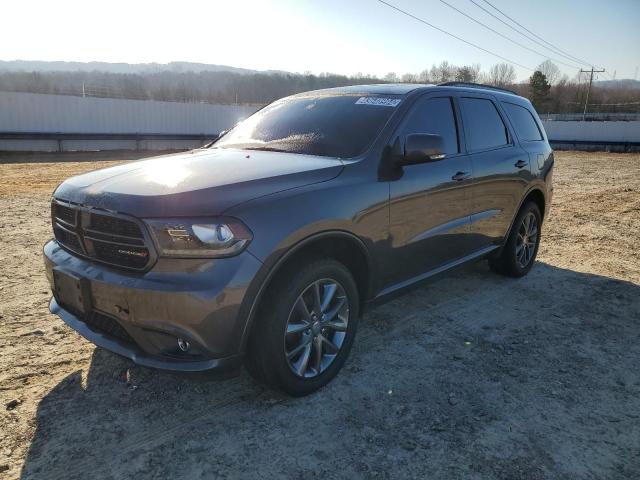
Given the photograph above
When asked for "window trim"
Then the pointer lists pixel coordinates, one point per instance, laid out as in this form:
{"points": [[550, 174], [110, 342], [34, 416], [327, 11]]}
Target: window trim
{"points": [[535, 122], [457, 119], [505, 121]]}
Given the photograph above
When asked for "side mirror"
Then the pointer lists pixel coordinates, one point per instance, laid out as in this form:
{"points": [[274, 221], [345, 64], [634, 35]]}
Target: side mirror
{"points": [[422, 148]]}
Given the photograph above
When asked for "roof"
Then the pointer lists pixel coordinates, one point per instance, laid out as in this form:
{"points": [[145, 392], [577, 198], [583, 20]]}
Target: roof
{"points": [[405, 88], [377, 89]]}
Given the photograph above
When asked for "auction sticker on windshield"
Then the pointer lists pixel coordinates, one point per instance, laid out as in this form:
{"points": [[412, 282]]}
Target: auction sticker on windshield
{"points": [[378, 101]]}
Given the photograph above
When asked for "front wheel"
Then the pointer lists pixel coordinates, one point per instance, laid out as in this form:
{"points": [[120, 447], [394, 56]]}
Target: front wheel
{"points": [[305, 329], [519, 252]]}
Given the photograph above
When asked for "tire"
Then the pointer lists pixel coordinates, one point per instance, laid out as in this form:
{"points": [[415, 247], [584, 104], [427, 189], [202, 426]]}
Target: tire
{"points": [[516, 257], [289, 329]]}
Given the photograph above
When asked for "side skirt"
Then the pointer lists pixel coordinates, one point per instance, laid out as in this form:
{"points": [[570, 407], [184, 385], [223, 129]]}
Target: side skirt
{"points": [[398, 287]]}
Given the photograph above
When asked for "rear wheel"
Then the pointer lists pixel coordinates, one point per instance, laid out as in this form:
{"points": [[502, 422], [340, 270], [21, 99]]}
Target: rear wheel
{"points": [[519, 252], [306, 326]]}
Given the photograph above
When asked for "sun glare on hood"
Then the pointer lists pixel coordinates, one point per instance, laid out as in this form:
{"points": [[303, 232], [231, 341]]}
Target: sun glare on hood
{"points": [[167, 173]]}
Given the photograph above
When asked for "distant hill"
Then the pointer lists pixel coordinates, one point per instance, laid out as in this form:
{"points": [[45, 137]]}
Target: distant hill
{"points": [[175, 67], [622, 83]]}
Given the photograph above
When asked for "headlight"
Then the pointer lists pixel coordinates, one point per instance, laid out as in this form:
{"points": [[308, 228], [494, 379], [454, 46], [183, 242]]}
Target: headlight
{"points": [[199, 237]]}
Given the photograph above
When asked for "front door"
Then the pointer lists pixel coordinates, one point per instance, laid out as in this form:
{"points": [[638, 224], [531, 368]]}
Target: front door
{"points": [[430, 203]]}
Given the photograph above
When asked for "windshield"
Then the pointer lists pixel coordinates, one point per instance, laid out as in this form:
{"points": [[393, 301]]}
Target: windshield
{"points": [[341, 126]]}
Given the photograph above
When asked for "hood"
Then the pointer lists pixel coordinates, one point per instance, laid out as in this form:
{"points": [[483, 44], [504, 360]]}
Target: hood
{"points": [[197, 183]]}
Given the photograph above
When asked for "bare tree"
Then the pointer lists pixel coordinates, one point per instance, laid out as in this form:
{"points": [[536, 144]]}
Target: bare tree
{"points": [[408, 78], [391, 77], [549, 70], [424, 77], [502, 74], [445, 72]]}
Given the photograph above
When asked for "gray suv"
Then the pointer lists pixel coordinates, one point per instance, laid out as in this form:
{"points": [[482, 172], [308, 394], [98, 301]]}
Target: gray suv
{"points": [[268, 245]]}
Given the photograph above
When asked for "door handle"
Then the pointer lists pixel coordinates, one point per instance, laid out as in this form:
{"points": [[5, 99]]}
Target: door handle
{"points": [[460, 176], [520, 164]]}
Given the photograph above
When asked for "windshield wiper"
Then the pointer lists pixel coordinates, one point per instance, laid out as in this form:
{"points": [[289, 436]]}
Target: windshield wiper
{"points": [[266, 149]]}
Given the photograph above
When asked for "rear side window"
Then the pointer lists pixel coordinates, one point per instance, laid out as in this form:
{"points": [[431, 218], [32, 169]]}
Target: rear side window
{"points": [[524, 123], [435, 116], [483, 125]]}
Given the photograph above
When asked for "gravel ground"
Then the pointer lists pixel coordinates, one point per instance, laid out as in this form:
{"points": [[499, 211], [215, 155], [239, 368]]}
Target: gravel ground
{"points": [[469, 376]]}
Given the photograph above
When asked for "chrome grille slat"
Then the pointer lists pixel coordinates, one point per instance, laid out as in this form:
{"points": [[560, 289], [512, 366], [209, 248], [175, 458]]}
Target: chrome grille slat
{"points": [[89, 232], [101, 240], [101, 236], [132, 242], [63, 223]]}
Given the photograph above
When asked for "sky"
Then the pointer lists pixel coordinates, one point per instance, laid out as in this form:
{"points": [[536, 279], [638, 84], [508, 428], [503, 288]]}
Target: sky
{"points": [[337, 36]]}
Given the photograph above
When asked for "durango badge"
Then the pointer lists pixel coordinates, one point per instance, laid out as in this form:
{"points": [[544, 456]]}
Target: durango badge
{"points": [[132, 253]]}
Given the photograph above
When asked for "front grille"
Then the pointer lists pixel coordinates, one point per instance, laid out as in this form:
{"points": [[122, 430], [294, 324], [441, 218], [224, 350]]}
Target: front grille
{"points": [[67, 238], [101, 236], [115, 226], [66, 214]]}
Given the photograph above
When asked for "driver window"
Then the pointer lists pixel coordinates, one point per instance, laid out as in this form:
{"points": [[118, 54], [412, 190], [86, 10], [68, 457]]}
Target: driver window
{"points": [[435, 116]]}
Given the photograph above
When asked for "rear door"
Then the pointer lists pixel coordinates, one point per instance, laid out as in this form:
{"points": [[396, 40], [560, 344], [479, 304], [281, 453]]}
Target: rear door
{"points": [[500, 167], [530, 134], [430, 202]]}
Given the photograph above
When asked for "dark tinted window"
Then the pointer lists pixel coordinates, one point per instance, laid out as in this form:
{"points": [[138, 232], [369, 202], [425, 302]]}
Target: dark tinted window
{"points": [[524, 123], [482, 124], [332, 126], [435, 116]]}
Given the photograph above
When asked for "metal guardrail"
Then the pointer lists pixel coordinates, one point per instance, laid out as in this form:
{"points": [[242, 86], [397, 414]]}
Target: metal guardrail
{"points": [[590, 117], [595, 146], [103, 136]]}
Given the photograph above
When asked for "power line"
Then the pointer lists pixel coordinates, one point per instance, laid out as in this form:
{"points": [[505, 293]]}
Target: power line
{"points": [[454, 36], [506, 37], [523, 34], [565, 54]]}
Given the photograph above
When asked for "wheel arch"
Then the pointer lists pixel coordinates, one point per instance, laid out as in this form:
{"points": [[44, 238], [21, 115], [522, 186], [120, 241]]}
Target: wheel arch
{"points": [[535, 194], [343, 246]]}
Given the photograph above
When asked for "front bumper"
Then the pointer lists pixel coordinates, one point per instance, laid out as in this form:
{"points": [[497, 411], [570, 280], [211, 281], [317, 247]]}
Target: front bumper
{"points": [[136, 354], [197, 300]]}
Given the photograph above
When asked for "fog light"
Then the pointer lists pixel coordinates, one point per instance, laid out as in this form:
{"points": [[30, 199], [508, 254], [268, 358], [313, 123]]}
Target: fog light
{"points": [[183, 345]]}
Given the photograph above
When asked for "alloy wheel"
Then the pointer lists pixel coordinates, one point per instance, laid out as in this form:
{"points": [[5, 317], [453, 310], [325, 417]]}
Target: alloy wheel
{"points": [[527, 240], [316, 328]]}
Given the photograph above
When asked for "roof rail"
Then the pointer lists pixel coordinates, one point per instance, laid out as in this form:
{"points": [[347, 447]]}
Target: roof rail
{"points": [[475, 85]]}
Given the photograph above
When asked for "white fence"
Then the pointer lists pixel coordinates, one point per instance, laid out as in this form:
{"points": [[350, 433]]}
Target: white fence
{"points": [[595, 132], [31, 113]]}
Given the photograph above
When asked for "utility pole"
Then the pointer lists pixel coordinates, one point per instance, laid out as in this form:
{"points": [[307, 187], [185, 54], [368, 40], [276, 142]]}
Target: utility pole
{"points": [[586, 101]]}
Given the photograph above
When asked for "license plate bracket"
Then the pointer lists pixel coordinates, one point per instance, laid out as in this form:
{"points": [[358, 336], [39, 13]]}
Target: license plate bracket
{"points": [[72, 291]]}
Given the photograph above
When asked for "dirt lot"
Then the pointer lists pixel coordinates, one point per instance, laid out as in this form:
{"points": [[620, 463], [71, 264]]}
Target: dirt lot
{"points": [[471, 376]]}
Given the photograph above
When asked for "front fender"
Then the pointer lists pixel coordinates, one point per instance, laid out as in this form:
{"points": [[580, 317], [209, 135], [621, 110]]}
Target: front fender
{"points": [[283, 223]]}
